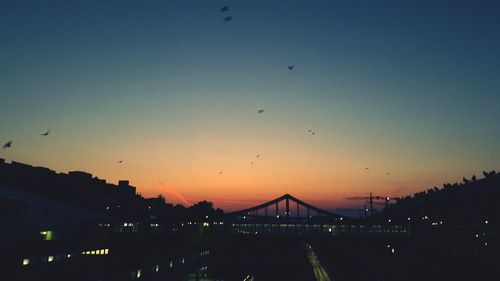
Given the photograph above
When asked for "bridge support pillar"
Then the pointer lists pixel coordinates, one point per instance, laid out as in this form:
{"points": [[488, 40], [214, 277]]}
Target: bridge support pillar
{"points": [[287, 211], [277, 209]]}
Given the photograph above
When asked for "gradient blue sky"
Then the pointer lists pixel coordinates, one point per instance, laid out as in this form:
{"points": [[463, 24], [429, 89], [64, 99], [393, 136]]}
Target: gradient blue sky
{"points": [[410, 87]]}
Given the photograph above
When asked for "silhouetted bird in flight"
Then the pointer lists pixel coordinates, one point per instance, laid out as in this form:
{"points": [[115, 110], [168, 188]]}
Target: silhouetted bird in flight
{"points": [[367, 168], [290, 67], [220, 172], [388, 173], [7, 145], [309, 130], [260, 110], [46, 133], [228, 18], [258, 155], [224, 9], [119, 162], [251, 163], [314, 133]]}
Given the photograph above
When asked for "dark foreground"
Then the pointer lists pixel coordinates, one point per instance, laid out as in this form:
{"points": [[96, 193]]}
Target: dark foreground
{"points": [[234, 257]]}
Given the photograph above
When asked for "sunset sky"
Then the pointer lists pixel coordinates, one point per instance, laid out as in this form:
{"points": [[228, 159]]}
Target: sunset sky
{"points": [[406, 87]]}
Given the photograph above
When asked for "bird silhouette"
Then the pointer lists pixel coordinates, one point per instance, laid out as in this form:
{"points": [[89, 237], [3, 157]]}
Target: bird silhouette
{"points": [[224, 9], [258, 155], [220, 172], [290, 67], [367, 168], [121, 161], [388, 173], [46, 133], [260, 111], [309, 130], [7, 145], [228, 18], [314, 133], [251, 163]]}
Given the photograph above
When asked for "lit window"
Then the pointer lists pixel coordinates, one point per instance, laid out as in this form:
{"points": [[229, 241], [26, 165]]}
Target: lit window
{"points": [[98, 252], [47, 235], [26, 261], [50, 258], [92, 252], [68, 255], [138, 275], [88, 252], [171, 264], [157, 268], [106, 251]]}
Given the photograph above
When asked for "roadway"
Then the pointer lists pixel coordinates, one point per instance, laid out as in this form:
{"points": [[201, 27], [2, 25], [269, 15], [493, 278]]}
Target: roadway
{"points": [[319, 271]]}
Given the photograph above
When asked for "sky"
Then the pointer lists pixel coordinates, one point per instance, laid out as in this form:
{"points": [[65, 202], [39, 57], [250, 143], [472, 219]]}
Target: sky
{"points": [[408, 88]]}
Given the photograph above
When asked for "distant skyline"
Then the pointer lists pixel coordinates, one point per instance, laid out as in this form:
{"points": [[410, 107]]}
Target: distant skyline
{"points": [[408, 89]]}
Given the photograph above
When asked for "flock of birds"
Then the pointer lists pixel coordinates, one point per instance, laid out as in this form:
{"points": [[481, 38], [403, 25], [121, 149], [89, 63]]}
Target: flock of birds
{"points": [[227, 18]]}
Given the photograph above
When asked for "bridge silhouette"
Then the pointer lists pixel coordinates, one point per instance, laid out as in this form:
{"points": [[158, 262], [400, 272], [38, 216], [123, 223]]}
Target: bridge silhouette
{"points": [[262, 212], [270, 218]]}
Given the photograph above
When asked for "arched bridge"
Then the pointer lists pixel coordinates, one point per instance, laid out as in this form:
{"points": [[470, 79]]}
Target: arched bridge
{"points": [[285, 207], [287, 215]]}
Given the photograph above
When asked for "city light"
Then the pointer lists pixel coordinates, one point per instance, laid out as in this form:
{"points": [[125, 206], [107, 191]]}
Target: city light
{"points": [[26, 261], [50, 258]]}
